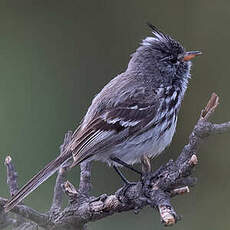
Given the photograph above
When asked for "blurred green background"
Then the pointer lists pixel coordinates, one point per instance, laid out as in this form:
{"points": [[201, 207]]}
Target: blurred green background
{"points": [[56, 55]]}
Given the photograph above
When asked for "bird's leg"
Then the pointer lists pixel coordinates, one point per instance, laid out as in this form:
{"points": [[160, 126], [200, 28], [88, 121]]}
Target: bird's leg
{"points": [[124, 189], [117, 160], [121, 175], [122, 192], [146, 165], [146, 170]]}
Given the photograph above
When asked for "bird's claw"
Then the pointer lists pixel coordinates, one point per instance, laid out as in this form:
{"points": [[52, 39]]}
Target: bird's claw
{"points": [[121, 195], [99, 198]]}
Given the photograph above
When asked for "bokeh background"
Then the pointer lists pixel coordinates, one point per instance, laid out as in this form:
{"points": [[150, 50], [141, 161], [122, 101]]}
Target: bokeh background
{"points": [[56, 55]]}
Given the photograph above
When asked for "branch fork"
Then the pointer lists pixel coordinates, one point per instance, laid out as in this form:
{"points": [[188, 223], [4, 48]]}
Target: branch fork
{"points": [[155, 189]]}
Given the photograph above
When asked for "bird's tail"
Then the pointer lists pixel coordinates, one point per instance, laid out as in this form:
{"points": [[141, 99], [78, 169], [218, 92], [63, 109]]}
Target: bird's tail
{"points": [[38, 179]]}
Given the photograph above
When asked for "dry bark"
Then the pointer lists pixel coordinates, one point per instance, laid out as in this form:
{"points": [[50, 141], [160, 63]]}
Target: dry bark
{"points": [[155, 189]]}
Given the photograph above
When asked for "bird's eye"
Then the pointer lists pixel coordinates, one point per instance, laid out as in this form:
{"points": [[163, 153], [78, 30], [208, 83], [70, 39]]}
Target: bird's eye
{"points": [[174, 60]]}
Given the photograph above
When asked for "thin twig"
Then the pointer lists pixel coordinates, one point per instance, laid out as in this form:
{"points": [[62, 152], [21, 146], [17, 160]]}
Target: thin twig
{"points": [[210, 107], [28, 213], [180, 191], [58, 192], [13, 186], [85, 184], [156, 188], [221, 128], [11, 176], [146, 165]]}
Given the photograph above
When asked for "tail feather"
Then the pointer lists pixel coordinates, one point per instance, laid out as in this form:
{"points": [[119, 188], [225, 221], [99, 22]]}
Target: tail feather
{"points": [[38, 179]]}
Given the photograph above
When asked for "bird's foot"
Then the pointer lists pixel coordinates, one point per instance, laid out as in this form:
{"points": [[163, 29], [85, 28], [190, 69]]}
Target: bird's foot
{"points": [[102, 198], [122, 193]]}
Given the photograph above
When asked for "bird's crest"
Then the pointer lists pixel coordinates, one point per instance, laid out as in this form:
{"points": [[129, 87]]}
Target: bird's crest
{"points": [[162, 40]]}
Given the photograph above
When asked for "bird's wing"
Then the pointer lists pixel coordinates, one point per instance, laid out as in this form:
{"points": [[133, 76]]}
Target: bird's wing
{"points": [[113, 125]]}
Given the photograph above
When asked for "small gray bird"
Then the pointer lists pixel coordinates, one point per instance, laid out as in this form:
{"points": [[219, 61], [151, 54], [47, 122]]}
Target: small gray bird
{"points": [[134, 115]]}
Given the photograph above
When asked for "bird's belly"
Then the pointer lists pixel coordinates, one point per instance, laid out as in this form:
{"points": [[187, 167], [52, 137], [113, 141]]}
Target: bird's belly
{"points": [[150, 143], [163, 141]]}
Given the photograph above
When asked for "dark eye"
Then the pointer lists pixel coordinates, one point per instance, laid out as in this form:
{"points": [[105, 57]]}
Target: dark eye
{"points": [[174, 60]]}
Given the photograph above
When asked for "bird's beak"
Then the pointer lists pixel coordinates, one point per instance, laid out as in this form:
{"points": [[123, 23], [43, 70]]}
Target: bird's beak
{"points": [[191, 54]]}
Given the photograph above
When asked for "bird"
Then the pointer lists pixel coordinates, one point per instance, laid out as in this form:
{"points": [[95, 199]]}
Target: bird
{"points": [[133, 116]]}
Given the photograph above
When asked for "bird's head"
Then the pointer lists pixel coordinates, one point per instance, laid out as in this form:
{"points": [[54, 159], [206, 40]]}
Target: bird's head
{"points": [[162, 58]]}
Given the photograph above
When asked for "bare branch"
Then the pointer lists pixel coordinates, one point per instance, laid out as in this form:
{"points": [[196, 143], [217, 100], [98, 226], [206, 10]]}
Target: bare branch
{"points": [[221, 128], [28, 213], [210, 107], [5, 220], [166, 216], [155, 188], [180, 191], [11, 176], [146, 165], [58, 192], [193, 161], [67, 139], [70, 190], [85, 184], [13, 188]]}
